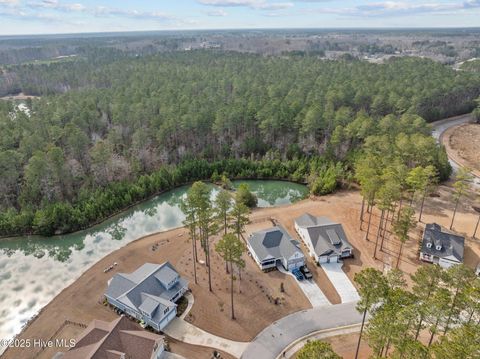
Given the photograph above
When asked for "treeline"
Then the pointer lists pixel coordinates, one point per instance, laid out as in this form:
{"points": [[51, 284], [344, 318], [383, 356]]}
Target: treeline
{"points": [[438, 317], [95, 205]]}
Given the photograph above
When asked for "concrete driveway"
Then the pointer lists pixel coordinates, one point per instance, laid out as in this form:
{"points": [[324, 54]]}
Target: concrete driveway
{"points": [[277, 337], [342, 284], [311, 290]]}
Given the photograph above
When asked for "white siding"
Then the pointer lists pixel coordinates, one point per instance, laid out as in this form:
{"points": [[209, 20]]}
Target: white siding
{"points": [[445, 263], [303, 233], [426, 257], [158, 353]]}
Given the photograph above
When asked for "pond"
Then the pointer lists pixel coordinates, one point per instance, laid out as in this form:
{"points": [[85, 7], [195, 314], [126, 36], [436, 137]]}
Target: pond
{"points": [[33, 270]]}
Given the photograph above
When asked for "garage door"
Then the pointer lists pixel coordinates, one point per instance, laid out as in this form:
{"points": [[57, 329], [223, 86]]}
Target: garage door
{"points": [[293, 265], [323, 259], [333, 259]]}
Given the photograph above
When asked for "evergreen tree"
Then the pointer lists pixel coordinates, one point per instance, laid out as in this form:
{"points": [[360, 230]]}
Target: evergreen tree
{"points": [[231, 249]]}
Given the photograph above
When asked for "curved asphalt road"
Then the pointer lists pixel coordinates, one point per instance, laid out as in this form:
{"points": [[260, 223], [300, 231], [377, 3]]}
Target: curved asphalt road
{"points": [[270, 343], [439, 127]]}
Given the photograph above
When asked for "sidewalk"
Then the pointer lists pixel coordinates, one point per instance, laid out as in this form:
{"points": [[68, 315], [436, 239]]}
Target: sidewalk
{"points": [[185, 332]]}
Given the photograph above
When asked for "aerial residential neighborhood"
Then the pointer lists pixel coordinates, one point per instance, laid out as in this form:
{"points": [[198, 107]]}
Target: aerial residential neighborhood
{"points": [[239, 179]]}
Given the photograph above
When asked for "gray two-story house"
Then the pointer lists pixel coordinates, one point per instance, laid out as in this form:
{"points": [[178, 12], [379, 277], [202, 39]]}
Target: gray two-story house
{"points": [[148, 294]]}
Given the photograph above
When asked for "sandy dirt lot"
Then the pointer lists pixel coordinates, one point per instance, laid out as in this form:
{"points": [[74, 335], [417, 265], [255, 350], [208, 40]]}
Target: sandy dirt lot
{"points": [[463, 145], [20, 96], [346, 345], [254, 305]]}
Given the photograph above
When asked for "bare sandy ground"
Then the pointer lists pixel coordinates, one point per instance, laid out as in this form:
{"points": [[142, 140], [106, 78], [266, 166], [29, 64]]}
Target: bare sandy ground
{"points": [[20, 96], [463, 145], [256, 291]]}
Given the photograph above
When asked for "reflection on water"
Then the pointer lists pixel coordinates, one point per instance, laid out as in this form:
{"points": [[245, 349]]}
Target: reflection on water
{"points": [[275, 193], [33, 270]]}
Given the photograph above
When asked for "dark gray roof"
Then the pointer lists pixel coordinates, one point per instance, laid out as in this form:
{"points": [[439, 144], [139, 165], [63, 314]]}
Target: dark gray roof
{"points": [[451, 244], [274, 242], [327, 237], [307, 220], [145, 289]]}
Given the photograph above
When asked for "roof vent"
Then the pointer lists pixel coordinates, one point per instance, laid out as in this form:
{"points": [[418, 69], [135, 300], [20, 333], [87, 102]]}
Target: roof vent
{"points": [[333, 236], [438, 247], [429, 244]]}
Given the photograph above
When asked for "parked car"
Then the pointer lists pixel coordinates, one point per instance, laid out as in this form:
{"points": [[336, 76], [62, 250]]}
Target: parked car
{"points": [[306, 272], [298, 274]]}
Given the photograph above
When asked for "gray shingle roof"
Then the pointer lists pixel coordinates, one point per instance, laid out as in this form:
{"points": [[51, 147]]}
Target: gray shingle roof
{"points": [[166, 275], [327, 236], [273, 243], [144, 290], [451, 244], [307, 220]]}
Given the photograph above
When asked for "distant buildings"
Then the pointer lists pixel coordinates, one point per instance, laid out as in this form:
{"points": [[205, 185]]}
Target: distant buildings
{"points": [[440, 247], [149, 294], [325, 240], [120, 339], [275, 246]]}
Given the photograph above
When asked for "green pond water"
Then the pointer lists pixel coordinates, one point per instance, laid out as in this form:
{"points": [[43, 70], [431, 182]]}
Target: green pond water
{"points": [[33, 270]]}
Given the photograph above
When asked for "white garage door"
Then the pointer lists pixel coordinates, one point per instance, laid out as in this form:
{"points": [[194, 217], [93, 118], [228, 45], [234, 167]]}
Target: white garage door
{"points": [[333, 259]]}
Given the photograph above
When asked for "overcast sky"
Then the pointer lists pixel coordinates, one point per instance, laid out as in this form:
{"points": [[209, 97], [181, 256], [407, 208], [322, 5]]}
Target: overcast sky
{"points": [[67, 16]]}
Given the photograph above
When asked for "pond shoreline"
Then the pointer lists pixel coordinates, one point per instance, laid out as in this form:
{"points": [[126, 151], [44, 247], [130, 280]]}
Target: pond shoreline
{"points": [[65, 259], [19, 236]]}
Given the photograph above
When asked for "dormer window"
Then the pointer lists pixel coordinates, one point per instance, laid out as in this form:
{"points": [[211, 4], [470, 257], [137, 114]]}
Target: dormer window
{"points": [[438, 247], [429, 245]]}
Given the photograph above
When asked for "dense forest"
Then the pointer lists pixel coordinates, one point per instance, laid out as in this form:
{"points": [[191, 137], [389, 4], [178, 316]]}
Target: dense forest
{"points": [[436, 317], [109, 130]]}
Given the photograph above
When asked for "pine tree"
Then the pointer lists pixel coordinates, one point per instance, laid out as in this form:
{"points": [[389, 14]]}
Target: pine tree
{"points": [[372, 287], [231, 249]]}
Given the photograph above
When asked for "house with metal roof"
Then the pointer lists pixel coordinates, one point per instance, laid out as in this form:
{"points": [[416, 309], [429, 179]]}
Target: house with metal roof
{"points": [[149, 294], [442, 248], [275, 246], [119, 339], [325, 239]]}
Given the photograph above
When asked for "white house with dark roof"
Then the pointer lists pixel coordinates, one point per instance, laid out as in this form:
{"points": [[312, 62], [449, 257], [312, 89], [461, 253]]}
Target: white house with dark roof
{"points": [[148, 294], [325, 239], [442, 248], [274, 246]]}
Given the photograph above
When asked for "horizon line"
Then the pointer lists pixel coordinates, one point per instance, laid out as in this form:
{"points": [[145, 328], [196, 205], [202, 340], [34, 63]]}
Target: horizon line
{"points": [[243, 29]]}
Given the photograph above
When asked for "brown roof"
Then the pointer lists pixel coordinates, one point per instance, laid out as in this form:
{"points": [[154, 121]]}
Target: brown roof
{"points": [[109, 340]]}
